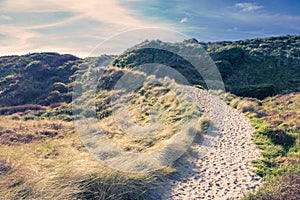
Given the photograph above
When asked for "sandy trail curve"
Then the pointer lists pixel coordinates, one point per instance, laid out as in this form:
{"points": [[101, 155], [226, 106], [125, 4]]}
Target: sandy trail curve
{"points": [[218, 166]]}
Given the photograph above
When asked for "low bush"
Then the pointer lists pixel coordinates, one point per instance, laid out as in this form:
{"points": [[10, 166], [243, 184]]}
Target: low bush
{"points": [[256, 91], [21, 108], [245, 106], [4, 167], [203, 124], [279, 188], [280, 137], [235, 102]]}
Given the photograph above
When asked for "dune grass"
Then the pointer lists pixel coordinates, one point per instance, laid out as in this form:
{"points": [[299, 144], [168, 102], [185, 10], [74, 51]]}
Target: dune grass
{"points": [[61, 168], [137, 112], [42, 157]]}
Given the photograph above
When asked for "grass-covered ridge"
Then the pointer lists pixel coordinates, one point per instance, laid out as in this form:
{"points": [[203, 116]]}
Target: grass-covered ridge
{"points": [[40, 78], [38, 138], [256, 68], [41, 141], [151, 109]]}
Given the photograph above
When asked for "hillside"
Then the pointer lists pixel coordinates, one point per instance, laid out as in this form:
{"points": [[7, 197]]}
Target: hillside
{"points": [[38, 105], [254, 68], [40, 78]]}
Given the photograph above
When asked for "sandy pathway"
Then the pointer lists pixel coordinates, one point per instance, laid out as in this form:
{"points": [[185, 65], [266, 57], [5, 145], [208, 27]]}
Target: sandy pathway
{"points": [[218, 166]]}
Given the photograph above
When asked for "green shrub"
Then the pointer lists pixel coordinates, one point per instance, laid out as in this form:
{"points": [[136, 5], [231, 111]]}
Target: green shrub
{"points": [[280, 137], [245, 106], [225, 68], [232, 54], [235, 102], [256, 91]]}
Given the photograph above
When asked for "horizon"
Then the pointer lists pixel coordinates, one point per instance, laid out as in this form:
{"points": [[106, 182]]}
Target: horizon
{"points": [[69, 27], [66, 53]]}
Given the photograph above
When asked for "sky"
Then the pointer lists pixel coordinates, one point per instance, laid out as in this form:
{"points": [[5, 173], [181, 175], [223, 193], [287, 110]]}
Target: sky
{"points": [[80, 27]]}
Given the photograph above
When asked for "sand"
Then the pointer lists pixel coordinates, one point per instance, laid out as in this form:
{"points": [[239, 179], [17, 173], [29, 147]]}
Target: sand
{"points": [[218, 166]]}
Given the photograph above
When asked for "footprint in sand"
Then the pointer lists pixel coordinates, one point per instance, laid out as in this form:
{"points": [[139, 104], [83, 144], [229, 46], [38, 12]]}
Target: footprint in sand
{"points": [[218, 166]]}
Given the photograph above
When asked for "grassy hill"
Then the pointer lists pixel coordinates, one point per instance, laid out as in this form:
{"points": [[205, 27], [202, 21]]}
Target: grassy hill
{"points": [[38, 138], [40, 78], [34, 78], [254, 68]]}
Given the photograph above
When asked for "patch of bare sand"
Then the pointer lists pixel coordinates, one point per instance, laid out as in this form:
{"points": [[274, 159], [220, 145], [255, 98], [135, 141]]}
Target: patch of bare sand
{"points": [[217, 166]]}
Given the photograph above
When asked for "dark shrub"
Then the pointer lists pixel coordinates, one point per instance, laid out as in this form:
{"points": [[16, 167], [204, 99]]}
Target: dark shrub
{"points": [[256, 91], [61, 87], [279, 137], [21, 108], [48, 133], [143, 56], [224, 67], [55, 97], [234, 55], [109, 79]]}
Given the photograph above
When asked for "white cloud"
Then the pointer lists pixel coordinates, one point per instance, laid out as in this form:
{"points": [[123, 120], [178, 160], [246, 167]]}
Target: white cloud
{"points": [[16, 40], [92, 21], [6, 17], [108, 12], [248, 7], [232, 29], [264, 17], [183, 20], [267, 18]]}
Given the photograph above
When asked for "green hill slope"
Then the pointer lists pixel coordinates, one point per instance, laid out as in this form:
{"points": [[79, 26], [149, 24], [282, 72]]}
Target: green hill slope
{"points": [[36, 78], [255, 68], [38, 140]]}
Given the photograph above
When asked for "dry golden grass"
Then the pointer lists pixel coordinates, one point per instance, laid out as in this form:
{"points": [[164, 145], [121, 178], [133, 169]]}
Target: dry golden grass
{"points": [[43, 158], [61, 168], [14, 131], [156, 109]]}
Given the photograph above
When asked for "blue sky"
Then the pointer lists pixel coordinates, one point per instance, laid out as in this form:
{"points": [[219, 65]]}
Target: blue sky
{"points": [[76, 27]]}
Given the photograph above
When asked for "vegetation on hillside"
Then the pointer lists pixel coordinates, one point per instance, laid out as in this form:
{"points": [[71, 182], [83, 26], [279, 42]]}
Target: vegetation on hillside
{"points": [[41, 141], [45, 159], [277, 124], [36, 79], [256, 68], [40, 78], [38, 138], [253, 68], [129, 101]]}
